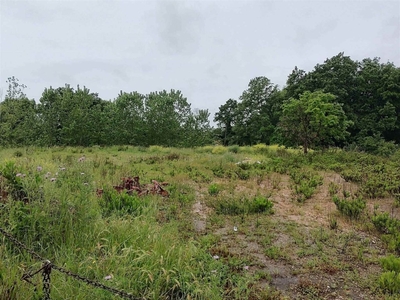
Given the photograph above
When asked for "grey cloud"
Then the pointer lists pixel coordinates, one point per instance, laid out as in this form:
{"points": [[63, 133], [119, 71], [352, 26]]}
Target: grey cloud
{"points": [[36, 12], [179, 27], [84, 66], [305, 35]]}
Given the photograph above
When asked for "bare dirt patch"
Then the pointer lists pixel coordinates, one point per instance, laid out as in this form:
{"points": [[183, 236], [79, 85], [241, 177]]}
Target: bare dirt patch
{"points": [[294, 251]]}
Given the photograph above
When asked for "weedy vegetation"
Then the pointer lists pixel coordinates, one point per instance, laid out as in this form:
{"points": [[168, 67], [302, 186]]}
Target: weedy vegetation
{"points": [[260, 222]]}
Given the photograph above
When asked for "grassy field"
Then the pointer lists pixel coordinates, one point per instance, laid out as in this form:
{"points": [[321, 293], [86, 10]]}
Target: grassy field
{"points": [[239, 223]]}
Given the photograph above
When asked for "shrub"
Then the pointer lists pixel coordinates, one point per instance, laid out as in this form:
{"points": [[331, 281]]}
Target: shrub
{"points": [[333, 188], [304, 191], [219, 150], [351, 208], [242, 205], [214, 189], [244, 165], [354, 175], [305, 184], [261, 148], [218, 170], [260, 204], [234, 148], [389, 281], [333, 224], [242, 174], [385, 224]]}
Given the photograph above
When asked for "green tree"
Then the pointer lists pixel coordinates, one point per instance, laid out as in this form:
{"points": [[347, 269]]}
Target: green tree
{"points": [[368, 91], [378, 105], [313, 120], [254, 114], [197, 129], [129, 119], [18, 117], [166, 114], [225, 121], [70, 117]]}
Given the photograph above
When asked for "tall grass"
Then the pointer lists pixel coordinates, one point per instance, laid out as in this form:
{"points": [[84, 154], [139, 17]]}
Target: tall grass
{"points": [[148, 243]]}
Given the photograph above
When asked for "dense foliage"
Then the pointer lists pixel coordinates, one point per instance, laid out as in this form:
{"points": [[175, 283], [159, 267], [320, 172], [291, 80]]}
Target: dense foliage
{"points": [[76, 117], [366, 101], [341, 102]]}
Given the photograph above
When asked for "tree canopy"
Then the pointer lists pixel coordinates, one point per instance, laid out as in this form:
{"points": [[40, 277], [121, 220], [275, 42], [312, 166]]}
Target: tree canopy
{"points": [[340, 102], [313, 120]]}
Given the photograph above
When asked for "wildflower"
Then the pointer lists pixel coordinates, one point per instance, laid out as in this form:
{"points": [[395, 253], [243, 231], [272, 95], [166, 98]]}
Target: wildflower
{"points": [[109, 277], [216, 257], [235, 229], [39, 168], [53, 179]]}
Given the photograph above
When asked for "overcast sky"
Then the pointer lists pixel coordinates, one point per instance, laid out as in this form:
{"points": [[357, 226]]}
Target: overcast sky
{"points": [[207, 49]]}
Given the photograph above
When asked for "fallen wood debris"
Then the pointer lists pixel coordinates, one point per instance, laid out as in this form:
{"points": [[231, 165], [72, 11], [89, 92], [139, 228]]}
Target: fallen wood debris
{"points": [[131, 185]]}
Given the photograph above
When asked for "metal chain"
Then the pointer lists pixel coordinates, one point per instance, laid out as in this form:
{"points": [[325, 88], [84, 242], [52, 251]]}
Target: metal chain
{"points": [[46, 279], [19, 244], [47, 266], [96, 284]]}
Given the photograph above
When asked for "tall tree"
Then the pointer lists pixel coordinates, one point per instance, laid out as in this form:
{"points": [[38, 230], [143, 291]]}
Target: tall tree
{"points": [[197, 129], [166, 114], [18, 118], [225, 121], [254, 114], [70, 117], [129, 118], [313, 120]]}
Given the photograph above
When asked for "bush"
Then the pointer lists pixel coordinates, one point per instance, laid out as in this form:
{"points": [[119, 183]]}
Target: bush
{"points": [[305, 184], [219, 150], [391, 228], [242, 174], [377, 145], [389, 281], [243, 205], [260, 204], [351, 208], [261, 148], [304, 191], [234, 148], [214, 189]]}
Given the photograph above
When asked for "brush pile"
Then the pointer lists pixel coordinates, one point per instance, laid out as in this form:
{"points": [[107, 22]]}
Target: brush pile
{"points": [[131, 185]]}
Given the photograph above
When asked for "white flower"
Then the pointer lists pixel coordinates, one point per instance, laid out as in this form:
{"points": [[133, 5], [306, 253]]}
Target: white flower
{"points": [[109, 277]]}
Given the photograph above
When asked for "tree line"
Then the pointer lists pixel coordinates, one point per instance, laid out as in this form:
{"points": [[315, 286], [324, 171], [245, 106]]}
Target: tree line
{"points": [[341, 102], [76, 117]]}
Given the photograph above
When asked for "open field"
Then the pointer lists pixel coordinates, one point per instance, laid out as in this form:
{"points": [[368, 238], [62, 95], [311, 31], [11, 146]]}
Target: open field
{"points": [[239, 223]]}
